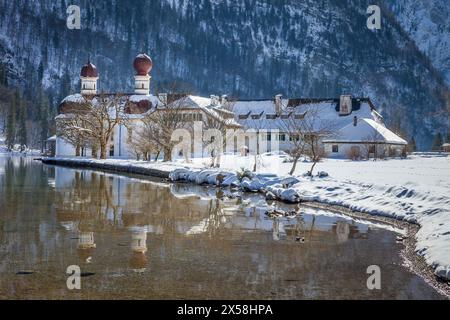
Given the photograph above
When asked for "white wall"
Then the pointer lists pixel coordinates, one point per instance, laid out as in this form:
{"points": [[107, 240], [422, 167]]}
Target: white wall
{"points": [[344, 149], [63, 148]]}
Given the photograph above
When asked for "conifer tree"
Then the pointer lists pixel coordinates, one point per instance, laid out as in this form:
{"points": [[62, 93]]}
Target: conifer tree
{"points": [[44, 108], [3, 75], [437, 143], [21, 124], [412, 145], [10, 131]]}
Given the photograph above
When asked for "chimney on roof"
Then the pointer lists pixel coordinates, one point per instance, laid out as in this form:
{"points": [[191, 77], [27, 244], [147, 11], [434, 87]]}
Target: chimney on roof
{"points": [[278, 106], [355, 121], [345, 105], [214, 100], [163, 98]]}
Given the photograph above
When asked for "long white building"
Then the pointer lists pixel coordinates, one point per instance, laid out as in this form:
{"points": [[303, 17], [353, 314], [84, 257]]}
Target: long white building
{"points": [[357, 128]]}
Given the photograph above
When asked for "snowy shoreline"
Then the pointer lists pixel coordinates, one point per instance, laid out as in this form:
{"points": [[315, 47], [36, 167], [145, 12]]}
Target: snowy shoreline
{"points": [[427, 206]]}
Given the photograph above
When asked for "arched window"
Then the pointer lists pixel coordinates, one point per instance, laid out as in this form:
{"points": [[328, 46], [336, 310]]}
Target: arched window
{"points": [[142, 86]]}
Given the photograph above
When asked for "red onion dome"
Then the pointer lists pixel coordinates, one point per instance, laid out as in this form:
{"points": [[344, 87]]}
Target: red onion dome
{"points": [[142, 64], [89, 71]]}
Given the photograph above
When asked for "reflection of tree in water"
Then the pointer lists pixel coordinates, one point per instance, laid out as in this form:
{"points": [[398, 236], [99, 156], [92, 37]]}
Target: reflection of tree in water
{"points": [[24, 199], [87, 201], [241, 264]]}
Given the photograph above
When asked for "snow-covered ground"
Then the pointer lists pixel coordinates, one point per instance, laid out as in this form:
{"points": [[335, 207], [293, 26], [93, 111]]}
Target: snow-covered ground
{"points": [[416, 189], [16, 150]]}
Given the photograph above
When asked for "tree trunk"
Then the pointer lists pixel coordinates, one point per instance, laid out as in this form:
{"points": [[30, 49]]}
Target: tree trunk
{"points": [[218, 160], [94, 152], [312, 168], [157, 155], [103, 151], [77, 151], [294, 165], [167, 155]]}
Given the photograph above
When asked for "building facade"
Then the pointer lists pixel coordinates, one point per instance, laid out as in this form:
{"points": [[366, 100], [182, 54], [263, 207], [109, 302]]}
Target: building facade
{"points": [[346, 125]]}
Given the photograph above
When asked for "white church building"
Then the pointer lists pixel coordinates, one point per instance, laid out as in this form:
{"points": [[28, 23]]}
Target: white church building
{"points": [[358, 129]]}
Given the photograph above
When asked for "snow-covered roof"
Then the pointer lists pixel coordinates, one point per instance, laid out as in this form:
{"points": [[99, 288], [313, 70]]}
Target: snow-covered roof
{"points": [[133, 104], [136, 98], [263, 113], [52, 138], [74, 98], [206, 105], [136, 105], [366, 130]]}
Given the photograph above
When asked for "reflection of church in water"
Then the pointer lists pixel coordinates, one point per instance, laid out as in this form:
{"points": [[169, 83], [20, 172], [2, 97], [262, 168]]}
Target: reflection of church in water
{"points": [[90, 203]]}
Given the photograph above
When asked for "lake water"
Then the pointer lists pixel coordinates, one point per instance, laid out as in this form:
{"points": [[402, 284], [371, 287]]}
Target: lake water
{"points": [[134, 238]]}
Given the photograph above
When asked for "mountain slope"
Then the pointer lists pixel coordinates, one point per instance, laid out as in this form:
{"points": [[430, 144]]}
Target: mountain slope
{"points": [[427, 23], [248, 49]]}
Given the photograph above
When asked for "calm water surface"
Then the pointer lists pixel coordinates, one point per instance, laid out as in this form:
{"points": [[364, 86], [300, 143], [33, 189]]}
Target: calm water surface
{"points": [[137, 238]]}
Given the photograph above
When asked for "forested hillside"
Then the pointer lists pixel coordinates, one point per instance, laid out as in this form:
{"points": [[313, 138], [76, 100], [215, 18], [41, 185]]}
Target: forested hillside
{"points": [[244, 48]]}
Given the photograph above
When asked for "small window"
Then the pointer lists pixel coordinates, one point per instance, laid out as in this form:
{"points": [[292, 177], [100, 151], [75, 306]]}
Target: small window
{"points": [[372, 149], [111, 150], [142, 86], [282, 137], [335, 148], [269, 136]]}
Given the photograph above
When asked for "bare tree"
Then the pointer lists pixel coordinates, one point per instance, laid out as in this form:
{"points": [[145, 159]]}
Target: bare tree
{"points": [[260, 130], [161, 123], [256, 134], [315, 128], [371, 145], [141, 143], [293, 126], [93, 122], [72, 129], [218, 120]]}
